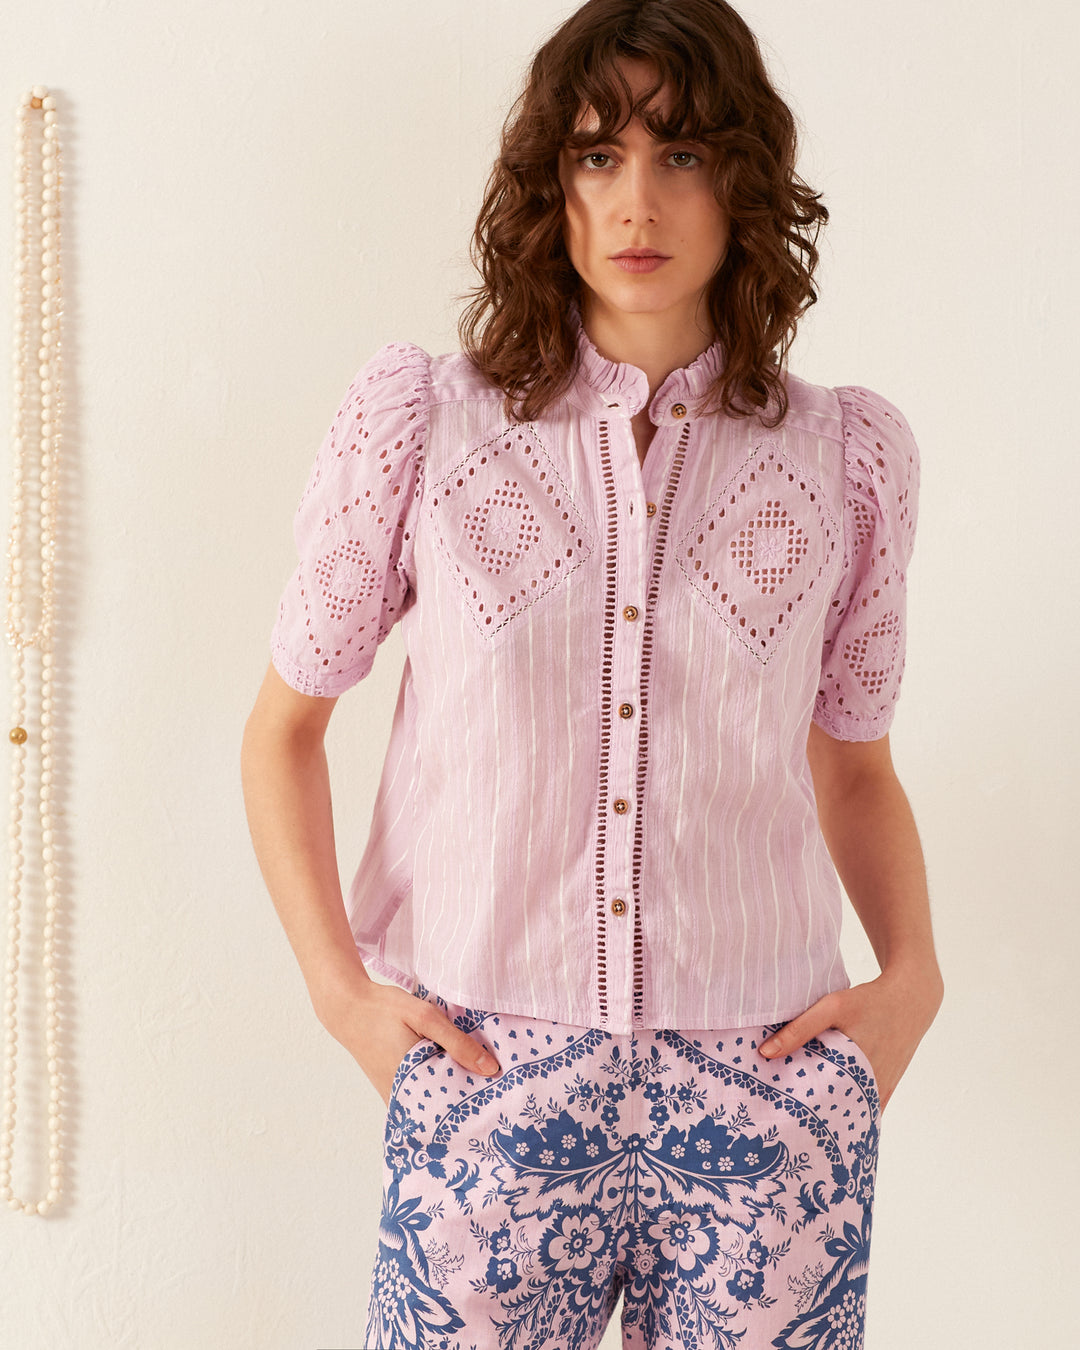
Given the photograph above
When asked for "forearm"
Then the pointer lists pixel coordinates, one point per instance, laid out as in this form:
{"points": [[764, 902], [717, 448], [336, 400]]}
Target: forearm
{"points": [[872, 837], [287, 795]]}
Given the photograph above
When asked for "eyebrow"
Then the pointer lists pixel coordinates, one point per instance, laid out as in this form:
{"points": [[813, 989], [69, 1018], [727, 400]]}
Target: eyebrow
{"points": [[589, 137]]}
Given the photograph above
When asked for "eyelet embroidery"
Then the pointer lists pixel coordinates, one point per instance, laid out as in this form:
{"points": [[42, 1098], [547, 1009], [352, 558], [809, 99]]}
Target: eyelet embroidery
{"points": [[607, 710], [770, 548], [606, 717], [507, 528], [347, 577], [655, 571], [349, 574], [491, 528], [874, 655], [765, 548]]}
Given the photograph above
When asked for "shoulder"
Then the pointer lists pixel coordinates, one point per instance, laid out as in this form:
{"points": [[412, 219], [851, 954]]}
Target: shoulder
{"points": [[852, 409], [402, 374], [398, 375], [874, 433], [881, 457], [456, 379], [868, 417]]}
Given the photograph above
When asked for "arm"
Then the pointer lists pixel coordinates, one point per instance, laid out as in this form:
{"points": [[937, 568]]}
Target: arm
{"points": [[871, 835], [287, 794]]}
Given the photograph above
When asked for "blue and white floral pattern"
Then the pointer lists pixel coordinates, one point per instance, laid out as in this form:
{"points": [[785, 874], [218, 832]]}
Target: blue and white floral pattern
{"points": [[716, 1191]]}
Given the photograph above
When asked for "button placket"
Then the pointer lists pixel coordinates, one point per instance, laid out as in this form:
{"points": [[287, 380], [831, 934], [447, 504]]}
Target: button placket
{"points": [[635, 545], [634, 554]]}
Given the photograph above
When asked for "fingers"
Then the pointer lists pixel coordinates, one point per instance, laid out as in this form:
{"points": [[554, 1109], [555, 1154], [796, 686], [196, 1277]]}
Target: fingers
{"points": [[816, 1019], [461, 1048]]}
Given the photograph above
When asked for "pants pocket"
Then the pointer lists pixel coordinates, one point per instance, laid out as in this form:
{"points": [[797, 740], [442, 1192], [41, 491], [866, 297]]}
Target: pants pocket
{"points": [[409, 1062], [853, 1051]]}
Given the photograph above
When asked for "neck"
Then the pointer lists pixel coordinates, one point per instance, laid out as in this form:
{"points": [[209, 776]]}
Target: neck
{"points": [[655, 343]]}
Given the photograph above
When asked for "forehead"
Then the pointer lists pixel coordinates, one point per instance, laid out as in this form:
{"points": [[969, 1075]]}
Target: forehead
{"points": [[644, 92], [589, 121]]}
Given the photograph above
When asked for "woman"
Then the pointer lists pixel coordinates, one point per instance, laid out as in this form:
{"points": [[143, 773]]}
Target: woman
{"points": [[651, 589]]}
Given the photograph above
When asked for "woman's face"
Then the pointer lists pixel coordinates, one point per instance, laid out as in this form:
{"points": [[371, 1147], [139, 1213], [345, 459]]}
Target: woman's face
{"points": [[640, 194]]}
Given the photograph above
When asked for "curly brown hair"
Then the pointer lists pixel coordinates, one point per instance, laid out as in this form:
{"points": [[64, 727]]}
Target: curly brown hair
{"points": [[518, 327]]}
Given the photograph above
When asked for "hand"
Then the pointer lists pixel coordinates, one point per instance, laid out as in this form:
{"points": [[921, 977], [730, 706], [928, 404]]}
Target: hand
{"points": [[379, 1024], [886, 1018]]}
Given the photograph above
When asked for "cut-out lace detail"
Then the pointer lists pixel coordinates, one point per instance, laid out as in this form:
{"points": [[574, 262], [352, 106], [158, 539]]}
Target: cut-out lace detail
{"points": [[647, 640], [863, 519], [354, 526], [864, 634], [773, 522], [503, 529], [347, 577], [611, 597], [770, 548], [873, 655], [507, 528]]}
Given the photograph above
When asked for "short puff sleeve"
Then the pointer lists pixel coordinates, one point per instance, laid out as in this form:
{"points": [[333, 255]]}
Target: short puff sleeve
{"points": [[354, 528], [864, 643]]}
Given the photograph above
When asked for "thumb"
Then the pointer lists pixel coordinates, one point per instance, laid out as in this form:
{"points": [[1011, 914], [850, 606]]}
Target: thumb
{"points": [[462, 1048], [816, 1019]]}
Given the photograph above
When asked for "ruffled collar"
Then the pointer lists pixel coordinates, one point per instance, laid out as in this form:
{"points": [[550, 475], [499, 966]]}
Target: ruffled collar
{"points": [[602, 386]]}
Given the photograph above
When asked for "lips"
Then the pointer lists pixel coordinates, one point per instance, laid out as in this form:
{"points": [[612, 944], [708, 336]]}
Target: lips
{"points": [[640, 261]]}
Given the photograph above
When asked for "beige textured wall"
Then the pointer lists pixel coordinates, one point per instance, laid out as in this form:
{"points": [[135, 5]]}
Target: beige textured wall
{"points": [[260, 195]]}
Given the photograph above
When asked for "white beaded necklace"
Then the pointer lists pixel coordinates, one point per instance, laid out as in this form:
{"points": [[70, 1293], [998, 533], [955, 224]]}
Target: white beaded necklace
{"points": [[38, 417]]}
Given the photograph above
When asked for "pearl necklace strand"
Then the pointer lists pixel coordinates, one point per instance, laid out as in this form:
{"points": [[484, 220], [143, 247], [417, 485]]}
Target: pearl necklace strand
{"points": [[38, 415]]}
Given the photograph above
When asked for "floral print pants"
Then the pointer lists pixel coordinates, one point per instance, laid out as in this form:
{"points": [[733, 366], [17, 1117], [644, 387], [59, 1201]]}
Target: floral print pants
{"points": [[726, 1197]]}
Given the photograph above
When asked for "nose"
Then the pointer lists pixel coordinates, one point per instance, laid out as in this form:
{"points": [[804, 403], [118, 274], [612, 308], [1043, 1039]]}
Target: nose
{"points": [[639, 203]]}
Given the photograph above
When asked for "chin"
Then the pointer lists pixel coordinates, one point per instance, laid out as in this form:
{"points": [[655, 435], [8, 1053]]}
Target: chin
{"points": [[645, 304], [637, 298]]}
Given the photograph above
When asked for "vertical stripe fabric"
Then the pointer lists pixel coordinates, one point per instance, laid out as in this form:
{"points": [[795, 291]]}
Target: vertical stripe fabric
{"points": [[596, 805]]}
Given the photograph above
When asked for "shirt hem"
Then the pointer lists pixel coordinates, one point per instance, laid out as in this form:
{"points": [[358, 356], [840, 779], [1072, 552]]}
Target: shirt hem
{"points": [[387, 971], [516, 1008]]}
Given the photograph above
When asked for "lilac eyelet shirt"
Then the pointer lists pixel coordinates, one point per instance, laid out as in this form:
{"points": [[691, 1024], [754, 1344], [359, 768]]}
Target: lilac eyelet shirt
{"points": [[596, 805]]}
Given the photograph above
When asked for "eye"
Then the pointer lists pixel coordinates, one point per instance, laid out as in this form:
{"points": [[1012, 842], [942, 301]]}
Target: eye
{"points": [[587, 160], [685, 155]]}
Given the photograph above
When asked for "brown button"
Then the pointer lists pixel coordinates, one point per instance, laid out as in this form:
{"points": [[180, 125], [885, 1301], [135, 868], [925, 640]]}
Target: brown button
{"points": [[678, 410], [630, 613], [650, 508], [618, 907], [620, 806], [626, 710]]}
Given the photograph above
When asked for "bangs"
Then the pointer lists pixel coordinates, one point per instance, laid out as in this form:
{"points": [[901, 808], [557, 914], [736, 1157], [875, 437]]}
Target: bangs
{"points": [[698, 106], [706, 83]]}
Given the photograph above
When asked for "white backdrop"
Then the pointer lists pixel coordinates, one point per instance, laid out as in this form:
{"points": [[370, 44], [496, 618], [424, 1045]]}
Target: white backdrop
{"points": [[257, 197]]}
